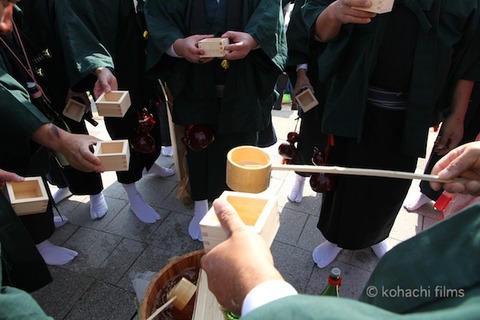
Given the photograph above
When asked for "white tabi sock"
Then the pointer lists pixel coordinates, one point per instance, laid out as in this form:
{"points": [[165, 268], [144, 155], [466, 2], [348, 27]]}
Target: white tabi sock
{"points": [[296, 194], [59, 221], [167, 151], [201, 209], [416, 201], [61, 194], [158, 171], [142, 210], [381, 248], [98, 206], [325, 253], [55, 255]]}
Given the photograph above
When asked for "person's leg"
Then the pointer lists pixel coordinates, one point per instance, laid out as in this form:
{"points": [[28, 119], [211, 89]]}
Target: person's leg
{"points": [[55, 255], [88, 183], [98, 206], [159, 171], [197, 162], [59, 221], [309, 138], [56, 177], [426, 193], [325, 253], [296, 194], [200, 210], [61, 194], [354, 216], [41, 227], [139, 207], [381, 248]]}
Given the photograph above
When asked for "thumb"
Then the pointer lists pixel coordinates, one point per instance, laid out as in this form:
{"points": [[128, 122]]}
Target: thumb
{"points": [[228, 217]]}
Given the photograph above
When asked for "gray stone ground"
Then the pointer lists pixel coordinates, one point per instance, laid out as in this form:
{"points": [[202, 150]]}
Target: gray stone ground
{"points": [[119, 248]]}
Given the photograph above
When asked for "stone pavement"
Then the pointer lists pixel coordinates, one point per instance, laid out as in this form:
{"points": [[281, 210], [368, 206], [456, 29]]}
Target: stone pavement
{"points": [[97, 284]]}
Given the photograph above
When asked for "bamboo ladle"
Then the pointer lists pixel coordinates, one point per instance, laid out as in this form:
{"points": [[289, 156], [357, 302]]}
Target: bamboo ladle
{"points": [[249, 169]]}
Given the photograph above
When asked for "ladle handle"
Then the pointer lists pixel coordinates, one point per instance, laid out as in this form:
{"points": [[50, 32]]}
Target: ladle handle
{"points": [[160, 309], [360, 172]]}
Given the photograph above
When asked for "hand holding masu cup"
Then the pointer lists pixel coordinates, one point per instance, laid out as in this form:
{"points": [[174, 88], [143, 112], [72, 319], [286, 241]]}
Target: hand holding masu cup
{"points": [[249, 169]]}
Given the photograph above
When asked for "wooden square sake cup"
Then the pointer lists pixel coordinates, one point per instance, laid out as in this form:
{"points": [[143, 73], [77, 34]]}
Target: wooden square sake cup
{"points": [[114, 155], [113, 104], [28, 196], [213, 47], [74, 110], [259, 212], [306, 100], [378, 6]]}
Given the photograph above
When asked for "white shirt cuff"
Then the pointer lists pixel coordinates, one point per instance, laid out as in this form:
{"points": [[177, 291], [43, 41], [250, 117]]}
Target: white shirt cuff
{"points": [[266, 292], [172, 52], [302, 66]]}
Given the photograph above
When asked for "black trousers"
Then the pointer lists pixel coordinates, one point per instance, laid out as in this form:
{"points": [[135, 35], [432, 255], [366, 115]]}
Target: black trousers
{"points": [[361, 211]]}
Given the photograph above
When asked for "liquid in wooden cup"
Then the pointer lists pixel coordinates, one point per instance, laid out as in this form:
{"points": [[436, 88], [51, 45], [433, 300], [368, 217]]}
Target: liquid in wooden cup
{"points": [[248, 169]]}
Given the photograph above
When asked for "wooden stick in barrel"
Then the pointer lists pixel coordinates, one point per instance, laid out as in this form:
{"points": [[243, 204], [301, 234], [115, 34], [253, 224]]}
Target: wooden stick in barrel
{"points": [[161, 308], [360, 172]]}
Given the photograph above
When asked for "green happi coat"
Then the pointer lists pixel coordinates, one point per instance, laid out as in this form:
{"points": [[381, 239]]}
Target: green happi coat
{"points": [[249, 83]]}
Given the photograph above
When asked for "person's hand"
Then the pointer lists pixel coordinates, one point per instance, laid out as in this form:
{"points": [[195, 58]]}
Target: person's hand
{"points": [[6, 12], [464, 162], [338, 13], [77, 149], [242, 44], [240, 263], [301, 83], [106, 82], [450, 135], [344, 11], [452, 130], [188, 48], [9, 176]]}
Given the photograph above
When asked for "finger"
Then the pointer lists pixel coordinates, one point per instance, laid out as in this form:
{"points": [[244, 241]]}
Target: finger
{"points": [[228, 217], [441, 142], [10, 176], [228, 34]]}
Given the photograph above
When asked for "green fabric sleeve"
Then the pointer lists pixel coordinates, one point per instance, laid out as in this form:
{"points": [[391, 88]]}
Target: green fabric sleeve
{"points": [[83, 51], [16, 304], [308, 307]]}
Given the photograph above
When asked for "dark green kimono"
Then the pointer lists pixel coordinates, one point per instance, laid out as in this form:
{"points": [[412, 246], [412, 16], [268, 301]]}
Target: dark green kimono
{"points": [[23, 267], [107, 33], [301, 50], [245, 106], [348, 61], [432, 276], [38, 26], [419, 49]]}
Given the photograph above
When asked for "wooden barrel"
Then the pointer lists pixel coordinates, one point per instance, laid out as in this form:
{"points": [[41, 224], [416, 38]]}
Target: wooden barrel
{"points": [[186, 266]]}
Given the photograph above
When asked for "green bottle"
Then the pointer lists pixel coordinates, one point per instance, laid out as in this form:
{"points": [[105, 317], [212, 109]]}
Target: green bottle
{"points": [[334, 283]]}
